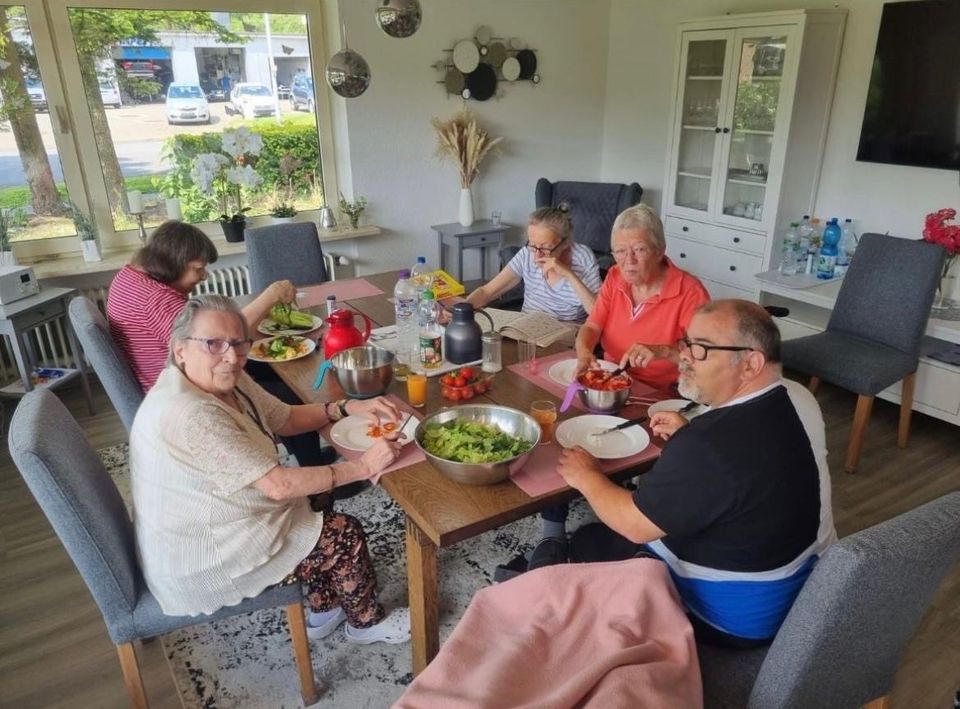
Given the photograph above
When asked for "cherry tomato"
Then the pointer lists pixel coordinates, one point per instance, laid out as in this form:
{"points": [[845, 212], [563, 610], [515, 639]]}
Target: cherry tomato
{"points": [[454, 395], [467, 372], [466, 394], [447, 379], [479, 388], [459, 382]]}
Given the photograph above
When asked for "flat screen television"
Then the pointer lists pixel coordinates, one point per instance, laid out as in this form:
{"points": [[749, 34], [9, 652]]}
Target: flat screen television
{"points": [[912, 116]]}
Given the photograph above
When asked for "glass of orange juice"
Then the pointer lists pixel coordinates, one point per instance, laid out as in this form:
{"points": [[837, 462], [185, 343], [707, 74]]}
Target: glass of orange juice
{"points": [[545, 413], [417, 388]]}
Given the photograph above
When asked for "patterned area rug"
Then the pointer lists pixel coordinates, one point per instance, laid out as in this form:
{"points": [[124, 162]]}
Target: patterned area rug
{"points": [[247, 661]]}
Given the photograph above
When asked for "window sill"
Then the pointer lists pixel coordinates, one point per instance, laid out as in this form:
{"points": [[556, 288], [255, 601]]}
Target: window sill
{"points": [[115, 259]]}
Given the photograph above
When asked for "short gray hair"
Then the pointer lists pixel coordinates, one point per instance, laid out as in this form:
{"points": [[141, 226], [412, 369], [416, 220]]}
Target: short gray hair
{"points": [[642, 216], [755, 327], [183, 325]]}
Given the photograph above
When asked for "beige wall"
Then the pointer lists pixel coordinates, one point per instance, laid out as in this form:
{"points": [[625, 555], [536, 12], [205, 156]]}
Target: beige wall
{"points": [[642, 51]]}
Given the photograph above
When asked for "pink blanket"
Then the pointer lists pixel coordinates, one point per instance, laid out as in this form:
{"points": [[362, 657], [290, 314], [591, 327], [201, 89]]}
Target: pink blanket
{"points": [[577, 635]]}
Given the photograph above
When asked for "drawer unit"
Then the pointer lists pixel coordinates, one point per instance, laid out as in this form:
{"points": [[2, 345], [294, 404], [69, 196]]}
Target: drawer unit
{"points": [[475, 240], [722, 290], [715, 235], [730, 267]]}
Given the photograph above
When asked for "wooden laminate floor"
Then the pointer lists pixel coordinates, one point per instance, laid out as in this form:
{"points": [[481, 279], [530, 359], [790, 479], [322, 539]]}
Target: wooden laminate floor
{"points": [[55, 652]]}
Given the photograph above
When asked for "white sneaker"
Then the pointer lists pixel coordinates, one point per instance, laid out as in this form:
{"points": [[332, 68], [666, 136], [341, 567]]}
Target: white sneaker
{"points": [[394, 629], [318, 632]]}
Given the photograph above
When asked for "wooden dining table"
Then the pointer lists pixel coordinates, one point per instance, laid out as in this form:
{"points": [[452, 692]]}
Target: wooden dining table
{"points": [[440, 512]]}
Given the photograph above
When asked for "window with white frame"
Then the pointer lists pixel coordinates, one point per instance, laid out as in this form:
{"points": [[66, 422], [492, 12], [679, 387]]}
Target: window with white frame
{"points": [[139, 104]]}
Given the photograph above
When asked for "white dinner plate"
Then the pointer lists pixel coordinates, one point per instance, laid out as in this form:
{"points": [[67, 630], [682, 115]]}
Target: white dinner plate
{"points": [[351, 432], [676, 405], [256, 357], [562, 372], [579, 430], [268, 326]]}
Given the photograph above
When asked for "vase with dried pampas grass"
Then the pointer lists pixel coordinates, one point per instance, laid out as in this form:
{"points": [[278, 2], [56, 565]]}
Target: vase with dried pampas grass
{"points": [[462, 140]]}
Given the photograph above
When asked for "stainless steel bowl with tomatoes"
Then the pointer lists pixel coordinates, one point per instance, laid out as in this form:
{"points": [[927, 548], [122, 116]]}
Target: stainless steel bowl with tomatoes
{"points": [[465, 383]]}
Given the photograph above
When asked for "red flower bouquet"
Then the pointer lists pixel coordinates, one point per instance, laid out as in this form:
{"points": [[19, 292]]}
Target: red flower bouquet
{"points": [[937, 231]]}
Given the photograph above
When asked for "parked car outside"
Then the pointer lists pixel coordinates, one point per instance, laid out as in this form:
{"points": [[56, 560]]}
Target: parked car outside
{"points": [[37, 95], [252, 100], [186, 104], [301, 93], [146, 69], [214, 92], [110, 93]]}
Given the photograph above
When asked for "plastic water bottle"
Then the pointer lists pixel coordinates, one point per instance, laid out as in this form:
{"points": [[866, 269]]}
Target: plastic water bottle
{"points": [[827, 260], [331, 301], [790, 261], [816, 237], [804, 232], [847, 247], [431, 335], [405, 312], [420, 274]]}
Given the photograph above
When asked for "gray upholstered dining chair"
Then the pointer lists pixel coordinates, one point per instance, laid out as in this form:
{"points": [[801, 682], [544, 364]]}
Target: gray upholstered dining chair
{"points": [[86, 511], [285, 251], [840, 645], [872, 340], [107, 360]]}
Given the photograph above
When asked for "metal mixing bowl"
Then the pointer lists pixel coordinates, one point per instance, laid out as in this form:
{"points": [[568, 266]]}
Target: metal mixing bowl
{"points": [[603, 402], [363, 372], [510, 421]]}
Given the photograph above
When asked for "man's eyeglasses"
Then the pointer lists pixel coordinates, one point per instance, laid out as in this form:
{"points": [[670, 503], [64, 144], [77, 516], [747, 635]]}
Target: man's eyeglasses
{"points": [[217, 346], [638, 251], [699, 351], [543, 250]]}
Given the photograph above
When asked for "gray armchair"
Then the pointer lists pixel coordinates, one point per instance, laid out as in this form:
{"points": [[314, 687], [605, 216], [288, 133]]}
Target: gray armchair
{"points": [[873, 338], [285, 251], [593, 208], [841, 642], [106, 358], [84, 507]]}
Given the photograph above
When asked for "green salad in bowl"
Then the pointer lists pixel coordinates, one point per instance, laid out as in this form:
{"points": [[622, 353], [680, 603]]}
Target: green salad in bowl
{"points": [[470, 442]]}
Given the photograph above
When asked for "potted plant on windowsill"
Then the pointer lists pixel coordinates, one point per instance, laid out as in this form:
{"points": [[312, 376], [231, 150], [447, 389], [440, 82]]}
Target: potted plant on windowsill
{"points": [[283, 213], [227, 174], [87, 233], [9, 220], [353, 209]]}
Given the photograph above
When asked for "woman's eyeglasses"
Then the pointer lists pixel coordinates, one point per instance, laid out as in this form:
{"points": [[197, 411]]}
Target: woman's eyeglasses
{"points": [[638, 251], [543, 250], [217, 346], [699, 351]]}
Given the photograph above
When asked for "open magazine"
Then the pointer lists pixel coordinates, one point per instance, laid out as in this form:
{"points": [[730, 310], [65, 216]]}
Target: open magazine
{"points": [[533, 326]]}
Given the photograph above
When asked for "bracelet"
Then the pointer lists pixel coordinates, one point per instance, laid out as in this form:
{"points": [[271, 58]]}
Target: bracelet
{"points": [[333, 478], [342, 408]]}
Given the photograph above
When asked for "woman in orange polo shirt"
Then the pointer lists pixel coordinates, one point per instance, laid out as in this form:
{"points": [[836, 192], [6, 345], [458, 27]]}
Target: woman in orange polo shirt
{"points": [[644, 305]]}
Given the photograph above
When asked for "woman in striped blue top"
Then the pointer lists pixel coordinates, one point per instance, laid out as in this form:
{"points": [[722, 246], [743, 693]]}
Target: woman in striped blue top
{"points": [[559, 277]]}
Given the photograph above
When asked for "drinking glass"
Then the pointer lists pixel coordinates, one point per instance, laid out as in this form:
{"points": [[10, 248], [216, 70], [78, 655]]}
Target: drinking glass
{"points": [[402, 361], [527, 355], [545, 413], [495, 217], [417, 388]]}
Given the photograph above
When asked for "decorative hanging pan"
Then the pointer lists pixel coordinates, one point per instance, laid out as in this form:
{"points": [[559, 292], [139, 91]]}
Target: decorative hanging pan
{"points": [[510, 69], [482, 82], [528, 63], [466, 56], [496, 54], [483, 35], [454, 81]]}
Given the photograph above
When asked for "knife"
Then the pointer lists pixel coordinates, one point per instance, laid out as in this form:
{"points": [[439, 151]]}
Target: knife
{"points": [[689, 406], [621, 426]]}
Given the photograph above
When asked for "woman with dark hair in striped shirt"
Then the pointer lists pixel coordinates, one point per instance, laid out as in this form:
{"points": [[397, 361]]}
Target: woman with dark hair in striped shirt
{"points": [[560, 277]]}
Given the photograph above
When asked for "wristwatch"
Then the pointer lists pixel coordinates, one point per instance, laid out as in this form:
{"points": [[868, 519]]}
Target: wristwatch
{"points": [[342, 408]]}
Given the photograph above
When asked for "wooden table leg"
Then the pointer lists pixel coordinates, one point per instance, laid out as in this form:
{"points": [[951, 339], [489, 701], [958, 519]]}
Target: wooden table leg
{"points": [[422, 585]]}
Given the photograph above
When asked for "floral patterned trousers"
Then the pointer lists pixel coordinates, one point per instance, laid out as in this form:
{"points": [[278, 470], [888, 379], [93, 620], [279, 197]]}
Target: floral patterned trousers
{"points": [[339, 572]]}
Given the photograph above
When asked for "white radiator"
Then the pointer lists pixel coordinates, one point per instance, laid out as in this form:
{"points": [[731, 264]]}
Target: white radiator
{"points": [[49, 344]]}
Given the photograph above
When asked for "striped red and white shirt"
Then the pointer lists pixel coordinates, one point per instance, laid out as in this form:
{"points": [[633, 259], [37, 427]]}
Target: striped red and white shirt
{"points": [[141, 312]]}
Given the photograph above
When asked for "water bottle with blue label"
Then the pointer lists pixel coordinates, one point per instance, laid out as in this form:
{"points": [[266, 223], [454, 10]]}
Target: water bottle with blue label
{"points": [[827, 259]]}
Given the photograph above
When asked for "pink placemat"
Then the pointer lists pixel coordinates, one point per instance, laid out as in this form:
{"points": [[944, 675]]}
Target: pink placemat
{"points": [[343, 290], [539, 476], [409, 454], [543, 380]]}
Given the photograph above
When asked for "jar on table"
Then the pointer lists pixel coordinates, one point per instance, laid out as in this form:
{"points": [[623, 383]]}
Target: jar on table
{"points": [[492, 347]]}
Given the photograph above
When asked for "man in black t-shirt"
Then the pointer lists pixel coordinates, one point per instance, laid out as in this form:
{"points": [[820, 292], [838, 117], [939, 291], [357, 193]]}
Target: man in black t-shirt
{"points": [[738, 505]]}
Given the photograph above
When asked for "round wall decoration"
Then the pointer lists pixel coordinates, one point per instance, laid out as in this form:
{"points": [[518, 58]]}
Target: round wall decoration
{"points": [[348, 73], [399, 18], [476, 67], [466, 56]]}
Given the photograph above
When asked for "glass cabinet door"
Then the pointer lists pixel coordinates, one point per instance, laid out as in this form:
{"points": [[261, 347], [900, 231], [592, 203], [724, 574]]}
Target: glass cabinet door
{"points": [[700, 106], [759, 73]]}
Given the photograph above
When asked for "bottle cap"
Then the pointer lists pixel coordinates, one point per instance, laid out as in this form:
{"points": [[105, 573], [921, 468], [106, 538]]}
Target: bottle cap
{"points": [[815, 220], [794, 224], [404, 273], [806, 216], [331, 297], [421, 259], [428, 295]]}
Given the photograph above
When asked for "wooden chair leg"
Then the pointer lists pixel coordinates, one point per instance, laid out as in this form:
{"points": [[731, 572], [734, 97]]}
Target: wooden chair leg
{"points": [[131, 676], [879, 703], [860, 419], [906, 408], [301, 652], [813, 385]]}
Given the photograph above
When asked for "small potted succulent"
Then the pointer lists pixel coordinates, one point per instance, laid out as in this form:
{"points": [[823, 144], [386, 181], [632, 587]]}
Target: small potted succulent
{"points": [[283, 213], [352, 210], [87, 233]]}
